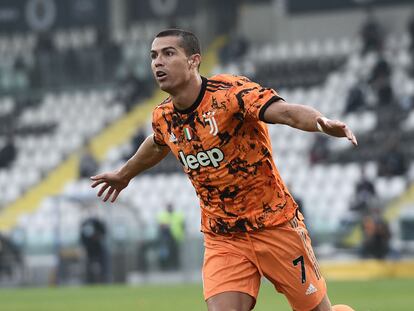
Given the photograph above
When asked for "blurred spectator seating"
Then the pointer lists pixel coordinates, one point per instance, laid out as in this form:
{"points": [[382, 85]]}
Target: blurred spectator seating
{"points": [[77, 117], [88, 165], [372, 33], [8, 152], [319, 74]]}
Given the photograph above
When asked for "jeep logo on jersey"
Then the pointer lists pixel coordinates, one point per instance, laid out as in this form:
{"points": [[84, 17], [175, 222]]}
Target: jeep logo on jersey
{"points": [[210, 157]]}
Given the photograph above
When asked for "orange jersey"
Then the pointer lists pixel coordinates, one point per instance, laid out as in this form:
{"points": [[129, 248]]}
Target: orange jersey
{"points": [[226, 152]]}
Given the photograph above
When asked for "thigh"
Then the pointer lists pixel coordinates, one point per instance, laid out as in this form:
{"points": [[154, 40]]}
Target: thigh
{"points": [[227, 268], [324, 305], [290, 264], [235, 301]]}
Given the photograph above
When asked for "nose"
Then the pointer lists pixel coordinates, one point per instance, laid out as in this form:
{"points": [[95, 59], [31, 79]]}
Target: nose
{"points": [[157, 61]]}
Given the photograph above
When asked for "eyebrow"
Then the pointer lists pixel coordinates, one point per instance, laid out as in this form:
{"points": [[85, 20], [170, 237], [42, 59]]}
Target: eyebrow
{"points": [[164, 49]]}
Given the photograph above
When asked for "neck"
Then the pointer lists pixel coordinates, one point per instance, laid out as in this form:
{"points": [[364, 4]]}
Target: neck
{"points": [[188, 94]]}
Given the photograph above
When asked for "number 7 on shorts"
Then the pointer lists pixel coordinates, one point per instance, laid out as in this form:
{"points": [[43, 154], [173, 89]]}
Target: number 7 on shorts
{"points": [[302, 267]]}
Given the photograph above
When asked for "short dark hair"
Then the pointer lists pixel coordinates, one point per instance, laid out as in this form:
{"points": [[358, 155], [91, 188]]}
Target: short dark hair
{"points": [[189, 41]]}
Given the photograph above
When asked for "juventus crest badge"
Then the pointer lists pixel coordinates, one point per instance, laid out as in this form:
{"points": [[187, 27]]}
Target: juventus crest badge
{"points": [[211, 120]]}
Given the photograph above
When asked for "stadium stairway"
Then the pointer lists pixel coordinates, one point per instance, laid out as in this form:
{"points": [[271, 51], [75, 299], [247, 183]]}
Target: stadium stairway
{"points": [[367, 269], [116, 134], [394, 208]]}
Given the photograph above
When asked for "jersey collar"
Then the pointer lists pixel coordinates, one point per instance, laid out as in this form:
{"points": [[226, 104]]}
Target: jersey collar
{"points": [[198, 100]]}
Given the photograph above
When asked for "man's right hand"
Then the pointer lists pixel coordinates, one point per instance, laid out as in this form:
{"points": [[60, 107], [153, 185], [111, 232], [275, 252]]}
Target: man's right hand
{"points": [[112, 182], [147, 155]]}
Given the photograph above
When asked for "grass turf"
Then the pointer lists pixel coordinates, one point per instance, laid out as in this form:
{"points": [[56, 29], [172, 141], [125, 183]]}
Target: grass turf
{"points": [[379, 295]]}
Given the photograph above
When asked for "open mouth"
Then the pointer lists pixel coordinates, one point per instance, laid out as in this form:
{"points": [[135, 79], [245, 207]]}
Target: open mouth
{"points": [[160, 75]]}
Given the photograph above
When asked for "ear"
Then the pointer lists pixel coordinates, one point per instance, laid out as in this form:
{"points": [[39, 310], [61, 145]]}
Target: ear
{"points": [[194, 60]]}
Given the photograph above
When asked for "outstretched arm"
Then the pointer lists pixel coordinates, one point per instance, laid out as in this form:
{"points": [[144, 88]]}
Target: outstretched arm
{"points": [[147, 155], [307, 119]]}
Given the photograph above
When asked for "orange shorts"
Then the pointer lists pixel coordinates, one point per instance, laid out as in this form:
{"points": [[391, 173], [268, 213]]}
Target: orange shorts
{"points": [[283, 254]]}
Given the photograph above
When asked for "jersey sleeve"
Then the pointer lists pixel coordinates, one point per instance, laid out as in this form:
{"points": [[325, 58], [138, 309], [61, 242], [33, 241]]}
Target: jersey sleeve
{"points": [[157, 128], [253, 99]]}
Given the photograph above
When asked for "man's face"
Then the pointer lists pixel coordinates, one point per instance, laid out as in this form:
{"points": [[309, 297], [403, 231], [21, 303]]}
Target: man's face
{"points": [[170, 65]]}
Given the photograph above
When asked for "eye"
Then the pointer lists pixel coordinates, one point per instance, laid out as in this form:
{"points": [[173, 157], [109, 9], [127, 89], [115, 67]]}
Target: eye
{"points": [[153, 55], [169, 53]]}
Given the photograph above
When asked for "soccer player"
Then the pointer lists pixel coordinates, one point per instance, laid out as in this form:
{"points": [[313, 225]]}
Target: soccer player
{"points": [[217, 129]]}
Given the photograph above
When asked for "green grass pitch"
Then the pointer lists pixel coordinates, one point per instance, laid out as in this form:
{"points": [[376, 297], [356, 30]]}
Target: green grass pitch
{"points": [[379, 295]]}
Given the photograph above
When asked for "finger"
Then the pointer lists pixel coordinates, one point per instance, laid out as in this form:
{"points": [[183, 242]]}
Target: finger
{"points": [[331, 124], [348, 133], [96, 183], [99, 176], [337, 124], [108, 195], [103, 189], [354, 140], [350, 136], [322, 121], [115, 196]]}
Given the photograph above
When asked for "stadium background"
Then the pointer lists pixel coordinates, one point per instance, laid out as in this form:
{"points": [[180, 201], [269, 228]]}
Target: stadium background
{"points": [[75, 82]]}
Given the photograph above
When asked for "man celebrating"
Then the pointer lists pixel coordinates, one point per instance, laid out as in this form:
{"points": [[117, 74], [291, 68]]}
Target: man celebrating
{"points": [[217, 129]]}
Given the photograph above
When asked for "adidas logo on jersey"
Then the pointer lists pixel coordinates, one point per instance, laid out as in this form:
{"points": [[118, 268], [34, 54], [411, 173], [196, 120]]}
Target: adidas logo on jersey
{"points": [[211, 157], [311, 289]]}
